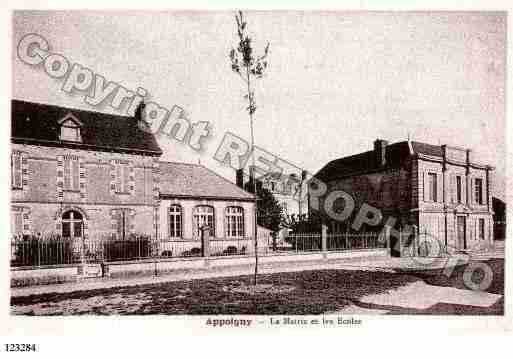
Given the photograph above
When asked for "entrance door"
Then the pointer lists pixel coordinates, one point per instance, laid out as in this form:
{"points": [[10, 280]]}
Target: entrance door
{"points": [[72, 230], [461, 232]]}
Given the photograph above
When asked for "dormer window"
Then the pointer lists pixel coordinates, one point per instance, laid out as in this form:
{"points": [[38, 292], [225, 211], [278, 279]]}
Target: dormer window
{"points": [[70, 128]]}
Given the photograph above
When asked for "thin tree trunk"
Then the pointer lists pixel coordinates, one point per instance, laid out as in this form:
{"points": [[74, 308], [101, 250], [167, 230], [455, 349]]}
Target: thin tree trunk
{"points": [[252, 174]]}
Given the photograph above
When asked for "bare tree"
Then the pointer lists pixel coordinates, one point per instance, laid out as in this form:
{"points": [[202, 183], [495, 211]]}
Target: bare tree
{"points": [[249, 67]]}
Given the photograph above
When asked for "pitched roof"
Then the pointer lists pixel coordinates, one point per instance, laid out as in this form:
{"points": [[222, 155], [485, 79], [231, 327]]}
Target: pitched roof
{"points": [[197, 181], [395, 154], [39, 124]]}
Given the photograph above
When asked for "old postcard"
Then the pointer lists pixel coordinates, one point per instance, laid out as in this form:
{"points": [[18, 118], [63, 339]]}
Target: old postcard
{"points": [[256, 169]]}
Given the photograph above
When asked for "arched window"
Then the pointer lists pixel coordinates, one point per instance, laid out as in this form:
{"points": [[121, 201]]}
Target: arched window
{"points": [[234, 221], [203, 215], [175, 221], [72, 224]]}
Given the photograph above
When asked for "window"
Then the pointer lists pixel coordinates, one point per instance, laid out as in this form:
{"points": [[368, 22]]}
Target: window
{"points": [[458, 189], [72, 223], [70, 128], [122, 177], [17, 222], [203, 216], [175, 221], [16, 171], [122, 223], [234, 222], [71, 173], [433, 187], [69, 133], [481, 228], [479, 190]]}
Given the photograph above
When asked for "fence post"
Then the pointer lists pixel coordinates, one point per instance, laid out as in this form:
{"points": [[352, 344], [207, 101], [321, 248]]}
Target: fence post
{"points": [[324, 240], [205, 242], [400, 240]]}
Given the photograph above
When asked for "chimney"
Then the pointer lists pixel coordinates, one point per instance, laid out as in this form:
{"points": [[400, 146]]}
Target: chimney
{"points": [[380, 147], [252, 183], [239, 178], [138, 114]]}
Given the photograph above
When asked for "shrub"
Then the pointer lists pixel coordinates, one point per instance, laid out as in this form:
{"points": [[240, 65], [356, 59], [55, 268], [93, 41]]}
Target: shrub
{"points": [[133, 248], [30, 250], [167, 253], [230, 250], [193, 252]]}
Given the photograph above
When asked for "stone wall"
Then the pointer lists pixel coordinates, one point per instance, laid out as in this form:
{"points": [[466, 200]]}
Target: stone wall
{"points": [[42, 198]]}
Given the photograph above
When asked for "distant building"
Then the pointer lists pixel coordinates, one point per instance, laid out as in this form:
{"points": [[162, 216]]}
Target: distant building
{"points": [[440, 189], [286, 188]]}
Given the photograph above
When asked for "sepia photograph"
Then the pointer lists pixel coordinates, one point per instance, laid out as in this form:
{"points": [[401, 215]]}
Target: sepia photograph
{"points": [[256, 168]]}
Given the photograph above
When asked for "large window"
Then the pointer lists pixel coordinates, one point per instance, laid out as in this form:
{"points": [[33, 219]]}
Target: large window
{"points": [[458, 189], [122, 221], [72, 224], [122, 177], [433, 187], [17, 221], [71, 173], [203, 216], [478, 182], [234, 222], [175, 221], [481, 228], [16, 171]]}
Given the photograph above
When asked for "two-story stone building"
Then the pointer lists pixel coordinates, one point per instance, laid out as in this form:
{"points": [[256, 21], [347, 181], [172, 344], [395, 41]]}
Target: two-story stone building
{"points": [[82, 174], [442, 190]]}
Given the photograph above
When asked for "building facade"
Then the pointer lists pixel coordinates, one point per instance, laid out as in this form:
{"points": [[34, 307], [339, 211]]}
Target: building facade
{"points": [[192, 196], [286, 189], [87, 175], [81, 174], [442, 190]]}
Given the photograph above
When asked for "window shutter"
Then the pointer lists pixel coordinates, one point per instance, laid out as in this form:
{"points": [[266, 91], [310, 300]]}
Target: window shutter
{"points": [[16, 170], [453, 189], [472, 195], [67, 173], [75, 171], [426, 186], [483, 199], [463, 189], [126, 178], [60, 177], [439, 188], [17, 222], [119, 224], [118, 178], [82, 180]]}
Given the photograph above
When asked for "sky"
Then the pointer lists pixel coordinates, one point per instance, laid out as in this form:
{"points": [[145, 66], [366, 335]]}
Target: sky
{"points": [[336, 80]]}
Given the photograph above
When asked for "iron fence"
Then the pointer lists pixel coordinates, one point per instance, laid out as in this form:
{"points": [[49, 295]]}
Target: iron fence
{"points": [[302, 242], [55, 250], [30, 250], [231, 246], [352, 241], [312, 242], [179, 248]]}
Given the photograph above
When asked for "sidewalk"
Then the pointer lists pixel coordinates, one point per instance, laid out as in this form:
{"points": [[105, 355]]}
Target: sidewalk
{"points": [[371, 263]]}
